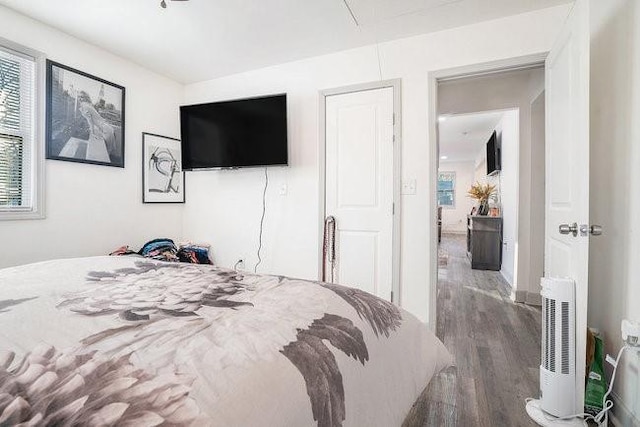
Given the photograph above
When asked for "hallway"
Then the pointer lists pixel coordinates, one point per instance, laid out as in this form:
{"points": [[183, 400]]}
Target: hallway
{"points": [[495, 344]]}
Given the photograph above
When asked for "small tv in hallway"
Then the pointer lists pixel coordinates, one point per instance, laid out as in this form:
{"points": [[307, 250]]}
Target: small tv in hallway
{"points": [[494, 154]]}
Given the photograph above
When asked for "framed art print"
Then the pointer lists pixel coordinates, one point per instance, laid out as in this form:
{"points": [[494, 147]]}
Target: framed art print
{"points": [[162, 174], [85, 117]]}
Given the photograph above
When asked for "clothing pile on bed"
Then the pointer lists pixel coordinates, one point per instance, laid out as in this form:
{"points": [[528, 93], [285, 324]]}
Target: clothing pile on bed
{"points": [[166, 250]]}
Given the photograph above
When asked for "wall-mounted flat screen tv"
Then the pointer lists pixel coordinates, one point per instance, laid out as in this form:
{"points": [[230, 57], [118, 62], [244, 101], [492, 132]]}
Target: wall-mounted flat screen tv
{"points": [[235, 134], [494, 154]]}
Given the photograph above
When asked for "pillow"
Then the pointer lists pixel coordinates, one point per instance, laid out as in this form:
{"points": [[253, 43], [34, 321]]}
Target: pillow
{"points": [[160, 249], [194, 253], [123, 250]]}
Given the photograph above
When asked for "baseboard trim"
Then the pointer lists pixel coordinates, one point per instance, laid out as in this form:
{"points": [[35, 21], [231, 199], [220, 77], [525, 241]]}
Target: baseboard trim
{"points": [[518, 296], [533, 298], [620, 416]]}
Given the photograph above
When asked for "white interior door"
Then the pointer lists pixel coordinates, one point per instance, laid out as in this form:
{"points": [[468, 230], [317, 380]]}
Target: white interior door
{"points": [[567, 168], [359, 183]]}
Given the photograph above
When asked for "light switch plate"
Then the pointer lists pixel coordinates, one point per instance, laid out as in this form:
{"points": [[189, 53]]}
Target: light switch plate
{"points": [[409, 187]]}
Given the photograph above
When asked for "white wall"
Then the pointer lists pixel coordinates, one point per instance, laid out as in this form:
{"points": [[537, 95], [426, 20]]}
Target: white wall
{"points": [[91, 210], [614, 262], [481, 170], [454, 220], [536, 267], [508, 133], [513, 89], [480, 174], [224, 207], [506, 182]]}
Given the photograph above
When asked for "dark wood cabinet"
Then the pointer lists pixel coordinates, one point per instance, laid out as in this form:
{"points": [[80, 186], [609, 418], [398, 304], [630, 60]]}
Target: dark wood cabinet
{"points": [[484, 242]]}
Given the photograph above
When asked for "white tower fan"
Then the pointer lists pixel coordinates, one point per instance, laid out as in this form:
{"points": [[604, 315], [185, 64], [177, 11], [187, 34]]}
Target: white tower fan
{"points": [[558, 366]]}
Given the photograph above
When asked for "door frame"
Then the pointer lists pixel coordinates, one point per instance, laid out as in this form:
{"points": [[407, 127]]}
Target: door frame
{"points": [[396, 85], [480, 69]]}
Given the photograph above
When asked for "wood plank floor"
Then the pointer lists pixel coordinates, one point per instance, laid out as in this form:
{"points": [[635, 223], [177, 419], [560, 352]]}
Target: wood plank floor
{"points": [[495, 344]]}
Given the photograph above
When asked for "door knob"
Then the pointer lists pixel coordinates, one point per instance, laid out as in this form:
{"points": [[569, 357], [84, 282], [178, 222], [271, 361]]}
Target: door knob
{"points": [[569, 229], [595, 230]]}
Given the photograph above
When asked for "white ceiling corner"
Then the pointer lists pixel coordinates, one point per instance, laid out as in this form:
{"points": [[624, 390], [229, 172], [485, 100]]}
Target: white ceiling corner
{"points": [[204, 39]]}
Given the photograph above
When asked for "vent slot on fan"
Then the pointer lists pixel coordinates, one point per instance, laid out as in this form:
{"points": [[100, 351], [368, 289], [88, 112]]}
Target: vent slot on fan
{"points": [[547, 323], [545, 336], [552, 335], [565, 337]]}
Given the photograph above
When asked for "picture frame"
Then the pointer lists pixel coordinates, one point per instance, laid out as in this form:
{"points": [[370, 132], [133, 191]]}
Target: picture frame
{"points": [[85, 117], [162, 174]]}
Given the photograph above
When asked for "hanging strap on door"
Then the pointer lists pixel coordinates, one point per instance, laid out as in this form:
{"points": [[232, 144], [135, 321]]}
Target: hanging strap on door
{"points": [[329, 249]]}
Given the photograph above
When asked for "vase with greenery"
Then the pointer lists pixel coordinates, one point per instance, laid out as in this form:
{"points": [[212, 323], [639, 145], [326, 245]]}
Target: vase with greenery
{"points": [[482, 193]]}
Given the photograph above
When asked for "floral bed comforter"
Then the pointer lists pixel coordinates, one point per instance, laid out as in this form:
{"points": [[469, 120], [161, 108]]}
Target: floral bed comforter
{"points": [[133, 342]]}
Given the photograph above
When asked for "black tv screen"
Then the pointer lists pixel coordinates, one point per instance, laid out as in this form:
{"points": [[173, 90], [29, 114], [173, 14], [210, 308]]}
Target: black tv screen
{"points": [[494, 155], [233, 134]]}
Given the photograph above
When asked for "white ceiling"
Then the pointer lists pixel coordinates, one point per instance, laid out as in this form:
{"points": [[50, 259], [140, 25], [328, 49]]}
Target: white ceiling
{"points": [[203, 39], [462, 137]]}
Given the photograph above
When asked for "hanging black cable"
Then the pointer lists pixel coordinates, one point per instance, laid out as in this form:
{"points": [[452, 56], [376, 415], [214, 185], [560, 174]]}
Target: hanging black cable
{"points": [[264, 211]]}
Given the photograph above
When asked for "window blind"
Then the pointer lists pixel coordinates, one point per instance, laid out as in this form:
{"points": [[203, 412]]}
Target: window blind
{"points": [[17, 130], [11, 164], [446, 188]]}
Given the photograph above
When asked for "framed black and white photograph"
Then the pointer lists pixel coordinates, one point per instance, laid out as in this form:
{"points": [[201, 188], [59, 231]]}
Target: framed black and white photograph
{"points": [[85, 117], [162, 174]]}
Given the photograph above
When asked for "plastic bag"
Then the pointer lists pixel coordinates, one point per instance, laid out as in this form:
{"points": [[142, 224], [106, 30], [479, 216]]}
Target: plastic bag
{"points": [[596, 381]]}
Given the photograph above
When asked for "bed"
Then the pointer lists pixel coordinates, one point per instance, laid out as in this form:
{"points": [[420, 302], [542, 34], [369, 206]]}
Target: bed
{"points": [[129, 341]]}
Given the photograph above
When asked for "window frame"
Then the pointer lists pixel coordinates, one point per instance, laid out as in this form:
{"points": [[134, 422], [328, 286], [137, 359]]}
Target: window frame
{"points": [[453, 189], [37, 210]]}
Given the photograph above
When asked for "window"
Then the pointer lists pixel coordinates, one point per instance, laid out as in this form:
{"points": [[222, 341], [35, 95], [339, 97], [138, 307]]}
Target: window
{"points": [[446, 189], [20, 159]]}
